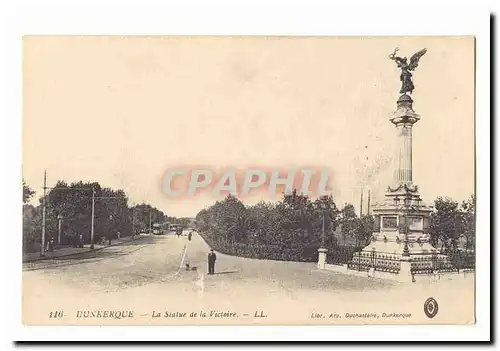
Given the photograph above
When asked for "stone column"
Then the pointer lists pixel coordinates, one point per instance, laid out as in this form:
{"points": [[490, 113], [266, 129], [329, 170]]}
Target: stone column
{"points": [[403, 169], [404, 118]]}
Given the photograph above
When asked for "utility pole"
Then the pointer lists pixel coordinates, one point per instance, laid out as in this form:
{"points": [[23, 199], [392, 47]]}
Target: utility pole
{"points": [[407, 204], [150, 221], [59, 219], [92, 224], [368, 202], [361, 205], [165, 229], [323, 239], [133, 223], [42, 252], [322, 250]]}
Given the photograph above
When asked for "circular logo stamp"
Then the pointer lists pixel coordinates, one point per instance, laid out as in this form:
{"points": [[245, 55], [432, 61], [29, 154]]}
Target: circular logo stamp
{"points": [[431, 307]]}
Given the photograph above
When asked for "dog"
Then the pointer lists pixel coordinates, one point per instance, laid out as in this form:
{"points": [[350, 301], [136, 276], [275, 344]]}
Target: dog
{"points": [[189, 268]]}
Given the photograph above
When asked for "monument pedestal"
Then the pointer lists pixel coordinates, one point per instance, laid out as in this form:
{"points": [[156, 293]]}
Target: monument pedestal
{"points": [[322, 258], [405, 273], [400, 243]]}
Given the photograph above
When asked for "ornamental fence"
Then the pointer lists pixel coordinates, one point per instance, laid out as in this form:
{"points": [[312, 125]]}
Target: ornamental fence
{"points": [[358, 260]]}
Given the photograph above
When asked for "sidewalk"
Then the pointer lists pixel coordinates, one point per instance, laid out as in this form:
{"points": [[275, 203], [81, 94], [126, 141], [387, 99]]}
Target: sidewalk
{"points": [[68, 251]]}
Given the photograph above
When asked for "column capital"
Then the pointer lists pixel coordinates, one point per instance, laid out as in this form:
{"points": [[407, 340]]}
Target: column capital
{"points": [[404, 113]]}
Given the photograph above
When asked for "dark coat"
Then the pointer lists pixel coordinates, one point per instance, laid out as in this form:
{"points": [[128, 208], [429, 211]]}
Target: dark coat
{"points": [[212, 257]]}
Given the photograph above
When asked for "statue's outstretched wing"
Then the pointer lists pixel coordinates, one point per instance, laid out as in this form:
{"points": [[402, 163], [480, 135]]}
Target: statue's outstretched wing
{"points": [[415, 58], [401, 61]]}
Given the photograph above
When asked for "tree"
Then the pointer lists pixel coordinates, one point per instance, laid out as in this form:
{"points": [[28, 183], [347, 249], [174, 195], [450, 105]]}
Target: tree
{"points": [[294, 223], [145, 216], [326, 206], [262, 224], [28, 193], [296, 215], [348, 222], [201, 221], [446, 223], [74, 203], [184, 222], [232, 220], [364, 231], [225, 221], [31, 227], [468, 209]]}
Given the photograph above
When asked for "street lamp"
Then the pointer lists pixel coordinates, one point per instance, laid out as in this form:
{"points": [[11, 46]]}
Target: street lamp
{"points": [[133, 223], [111, 229], [59, 218], [407, 205], [150, 215], [322, 250], [407, 202], [323, 236], [418, 201], [44, 206], [396, 201]]}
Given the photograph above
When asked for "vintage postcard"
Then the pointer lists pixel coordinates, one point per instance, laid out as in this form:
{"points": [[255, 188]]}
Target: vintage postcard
{"points": [[216, 180]]}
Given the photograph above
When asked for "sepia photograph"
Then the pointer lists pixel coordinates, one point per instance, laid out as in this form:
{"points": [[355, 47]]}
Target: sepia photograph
{"points": [[239, 171]]}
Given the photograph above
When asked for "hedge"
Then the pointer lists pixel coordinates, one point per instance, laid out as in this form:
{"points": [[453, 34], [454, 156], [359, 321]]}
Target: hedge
{"points": [[265, 252]]}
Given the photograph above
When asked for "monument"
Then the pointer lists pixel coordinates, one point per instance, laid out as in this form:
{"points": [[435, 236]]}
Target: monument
{"points": [[400, 246]]}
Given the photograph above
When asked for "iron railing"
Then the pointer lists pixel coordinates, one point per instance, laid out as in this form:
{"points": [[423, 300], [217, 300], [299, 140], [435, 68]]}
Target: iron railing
{"points": [[340, 255], [364, 261], [438, 263]]}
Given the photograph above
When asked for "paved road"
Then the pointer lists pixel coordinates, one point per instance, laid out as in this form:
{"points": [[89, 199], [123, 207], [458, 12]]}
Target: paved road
{"points": [[149, 275]]}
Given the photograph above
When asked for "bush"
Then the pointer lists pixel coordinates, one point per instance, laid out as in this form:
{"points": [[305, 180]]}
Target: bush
{"points": [[264, 252]]}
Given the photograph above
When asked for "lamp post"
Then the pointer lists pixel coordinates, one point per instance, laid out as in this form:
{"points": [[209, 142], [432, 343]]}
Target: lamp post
{"points": [[44, 206], [407, 201], [405, 268], [111, 226], [322, 250], [323, 237], [150, 229], [92, 222], [407, 205], [133, 223], [59, 219]]}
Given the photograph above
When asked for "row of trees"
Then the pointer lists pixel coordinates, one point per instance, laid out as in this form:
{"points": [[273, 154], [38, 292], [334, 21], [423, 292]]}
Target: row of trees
{"points": [[72, 203], [296, 223]]}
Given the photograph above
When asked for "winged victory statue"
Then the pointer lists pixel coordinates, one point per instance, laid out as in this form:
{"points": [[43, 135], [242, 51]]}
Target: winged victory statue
{"points": [[406, 68]]}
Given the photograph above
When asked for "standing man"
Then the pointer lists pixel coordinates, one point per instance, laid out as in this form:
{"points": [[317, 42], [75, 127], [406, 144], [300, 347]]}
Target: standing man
{"points": [[211, 261], [189, 236]]}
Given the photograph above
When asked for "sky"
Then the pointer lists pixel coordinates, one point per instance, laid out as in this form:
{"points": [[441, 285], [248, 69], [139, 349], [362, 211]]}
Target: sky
{"points": [[123, 110]]}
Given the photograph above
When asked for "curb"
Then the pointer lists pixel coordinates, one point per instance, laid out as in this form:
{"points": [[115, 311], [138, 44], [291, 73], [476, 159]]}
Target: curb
{"points": [[78, 253]]}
